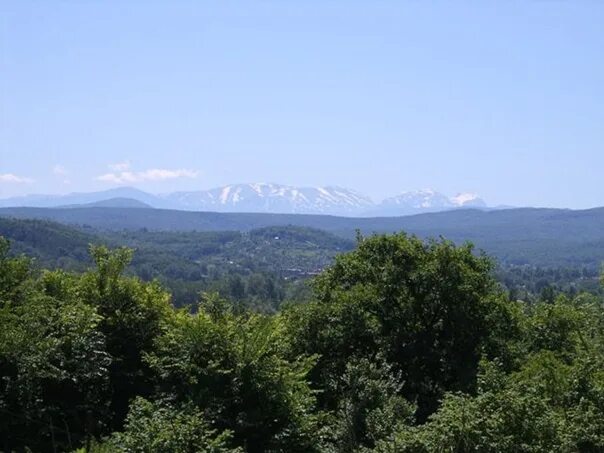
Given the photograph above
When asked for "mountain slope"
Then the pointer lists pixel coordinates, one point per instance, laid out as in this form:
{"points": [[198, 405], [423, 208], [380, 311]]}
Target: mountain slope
{"points": [[51, 244], [468, 200], [426, 200], [261, 197], [111, 203]]}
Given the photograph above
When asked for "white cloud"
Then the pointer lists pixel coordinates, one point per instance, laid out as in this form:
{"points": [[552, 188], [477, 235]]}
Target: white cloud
{"points": [[11, 178], [59, 170], [154, 174], [120, 166]]}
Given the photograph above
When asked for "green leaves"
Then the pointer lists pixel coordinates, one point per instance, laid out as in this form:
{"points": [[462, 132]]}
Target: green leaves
{"points": [[54, 371], [234, 367], [425, 306], [370, 405], [154, 427], [14, 273], [552, 401], [409, 347]]}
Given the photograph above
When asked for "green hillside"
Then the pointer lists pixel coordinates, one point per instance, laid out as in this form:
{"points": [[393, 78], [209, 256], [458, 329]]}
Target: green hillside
{"points": [[539, 237], [260, 268]]}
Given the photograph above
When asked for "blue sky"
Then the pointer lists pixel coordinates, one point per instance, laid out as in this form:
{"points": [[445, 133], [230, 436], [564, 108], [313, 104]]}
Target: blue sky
{"points": [[505, 99]]}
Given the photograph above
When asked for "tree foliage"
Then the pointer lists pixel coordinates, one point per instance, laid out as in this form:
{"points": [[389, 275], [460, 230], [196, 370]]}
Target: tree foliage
{"points": [[427, 306], [407, 346]]}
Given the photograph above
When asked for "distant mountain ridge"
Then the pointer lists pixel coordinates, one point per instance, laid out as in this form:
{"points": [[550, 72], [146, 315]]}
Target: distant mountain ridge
{"points": [[84, 198], [118, 202], [265, 198]]}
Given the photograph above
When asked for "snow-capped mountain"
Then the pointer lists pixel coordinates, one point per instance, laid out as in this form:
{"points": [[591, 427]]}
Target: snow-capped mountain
{"points": [[468, 200], [263, 197], [427, 200], [419, 199]]}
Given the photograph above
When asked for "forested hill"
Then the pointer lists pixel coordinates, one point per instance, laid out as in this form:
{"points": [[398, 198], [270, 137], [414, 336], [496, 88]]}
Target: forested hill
{"points": [[51, 244], [271, 248], [540, 237], [259, 268]]}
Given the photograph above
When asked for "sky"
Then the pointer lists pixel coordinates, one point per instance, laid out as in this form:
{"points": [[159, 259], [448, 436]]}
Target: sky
{"points": [[504, 99]]}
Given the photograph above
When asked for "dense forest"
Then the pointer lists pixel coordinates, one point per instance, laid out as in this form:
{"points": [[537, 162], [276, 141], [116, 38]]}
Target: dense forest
{"points": [[523, 236], [259, 268], [403, 345]]}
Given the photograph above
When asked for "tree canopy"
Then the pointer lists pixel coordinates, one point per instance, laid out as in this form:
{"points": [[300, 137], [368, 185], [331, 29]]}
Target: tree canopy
{"points": [[406, 346]]}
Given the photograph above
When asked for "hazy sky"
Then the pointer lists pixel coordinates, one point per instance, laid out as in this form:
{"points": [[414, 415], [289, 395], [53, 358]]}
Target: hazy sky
{"points": [[504, 98]]}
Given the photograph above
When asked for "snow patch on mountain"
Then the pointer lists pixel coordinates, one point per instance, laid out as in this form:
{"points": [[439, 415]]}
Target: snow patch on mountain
{"points": [[468, 200], [267, 197], [426, 200]]}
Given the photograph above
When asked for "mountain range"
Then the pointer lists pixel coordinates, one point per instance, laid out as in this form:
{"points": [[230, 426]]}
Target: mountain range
{"points": [[262, 198]]}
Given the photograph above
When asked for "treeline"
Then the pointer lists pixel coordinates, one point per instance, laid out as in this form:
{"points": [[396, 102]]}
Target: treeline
{"points": [[530, 283], [406, 346]]}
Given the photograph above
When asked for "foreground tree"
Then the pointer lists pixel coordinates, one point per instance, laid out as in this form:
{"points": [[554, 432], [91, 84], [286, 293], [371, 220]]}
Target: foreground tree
{"points": [[133, 314], [430, 308], [408, 347], [233, 367], [53, 365], [154, 427]]}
